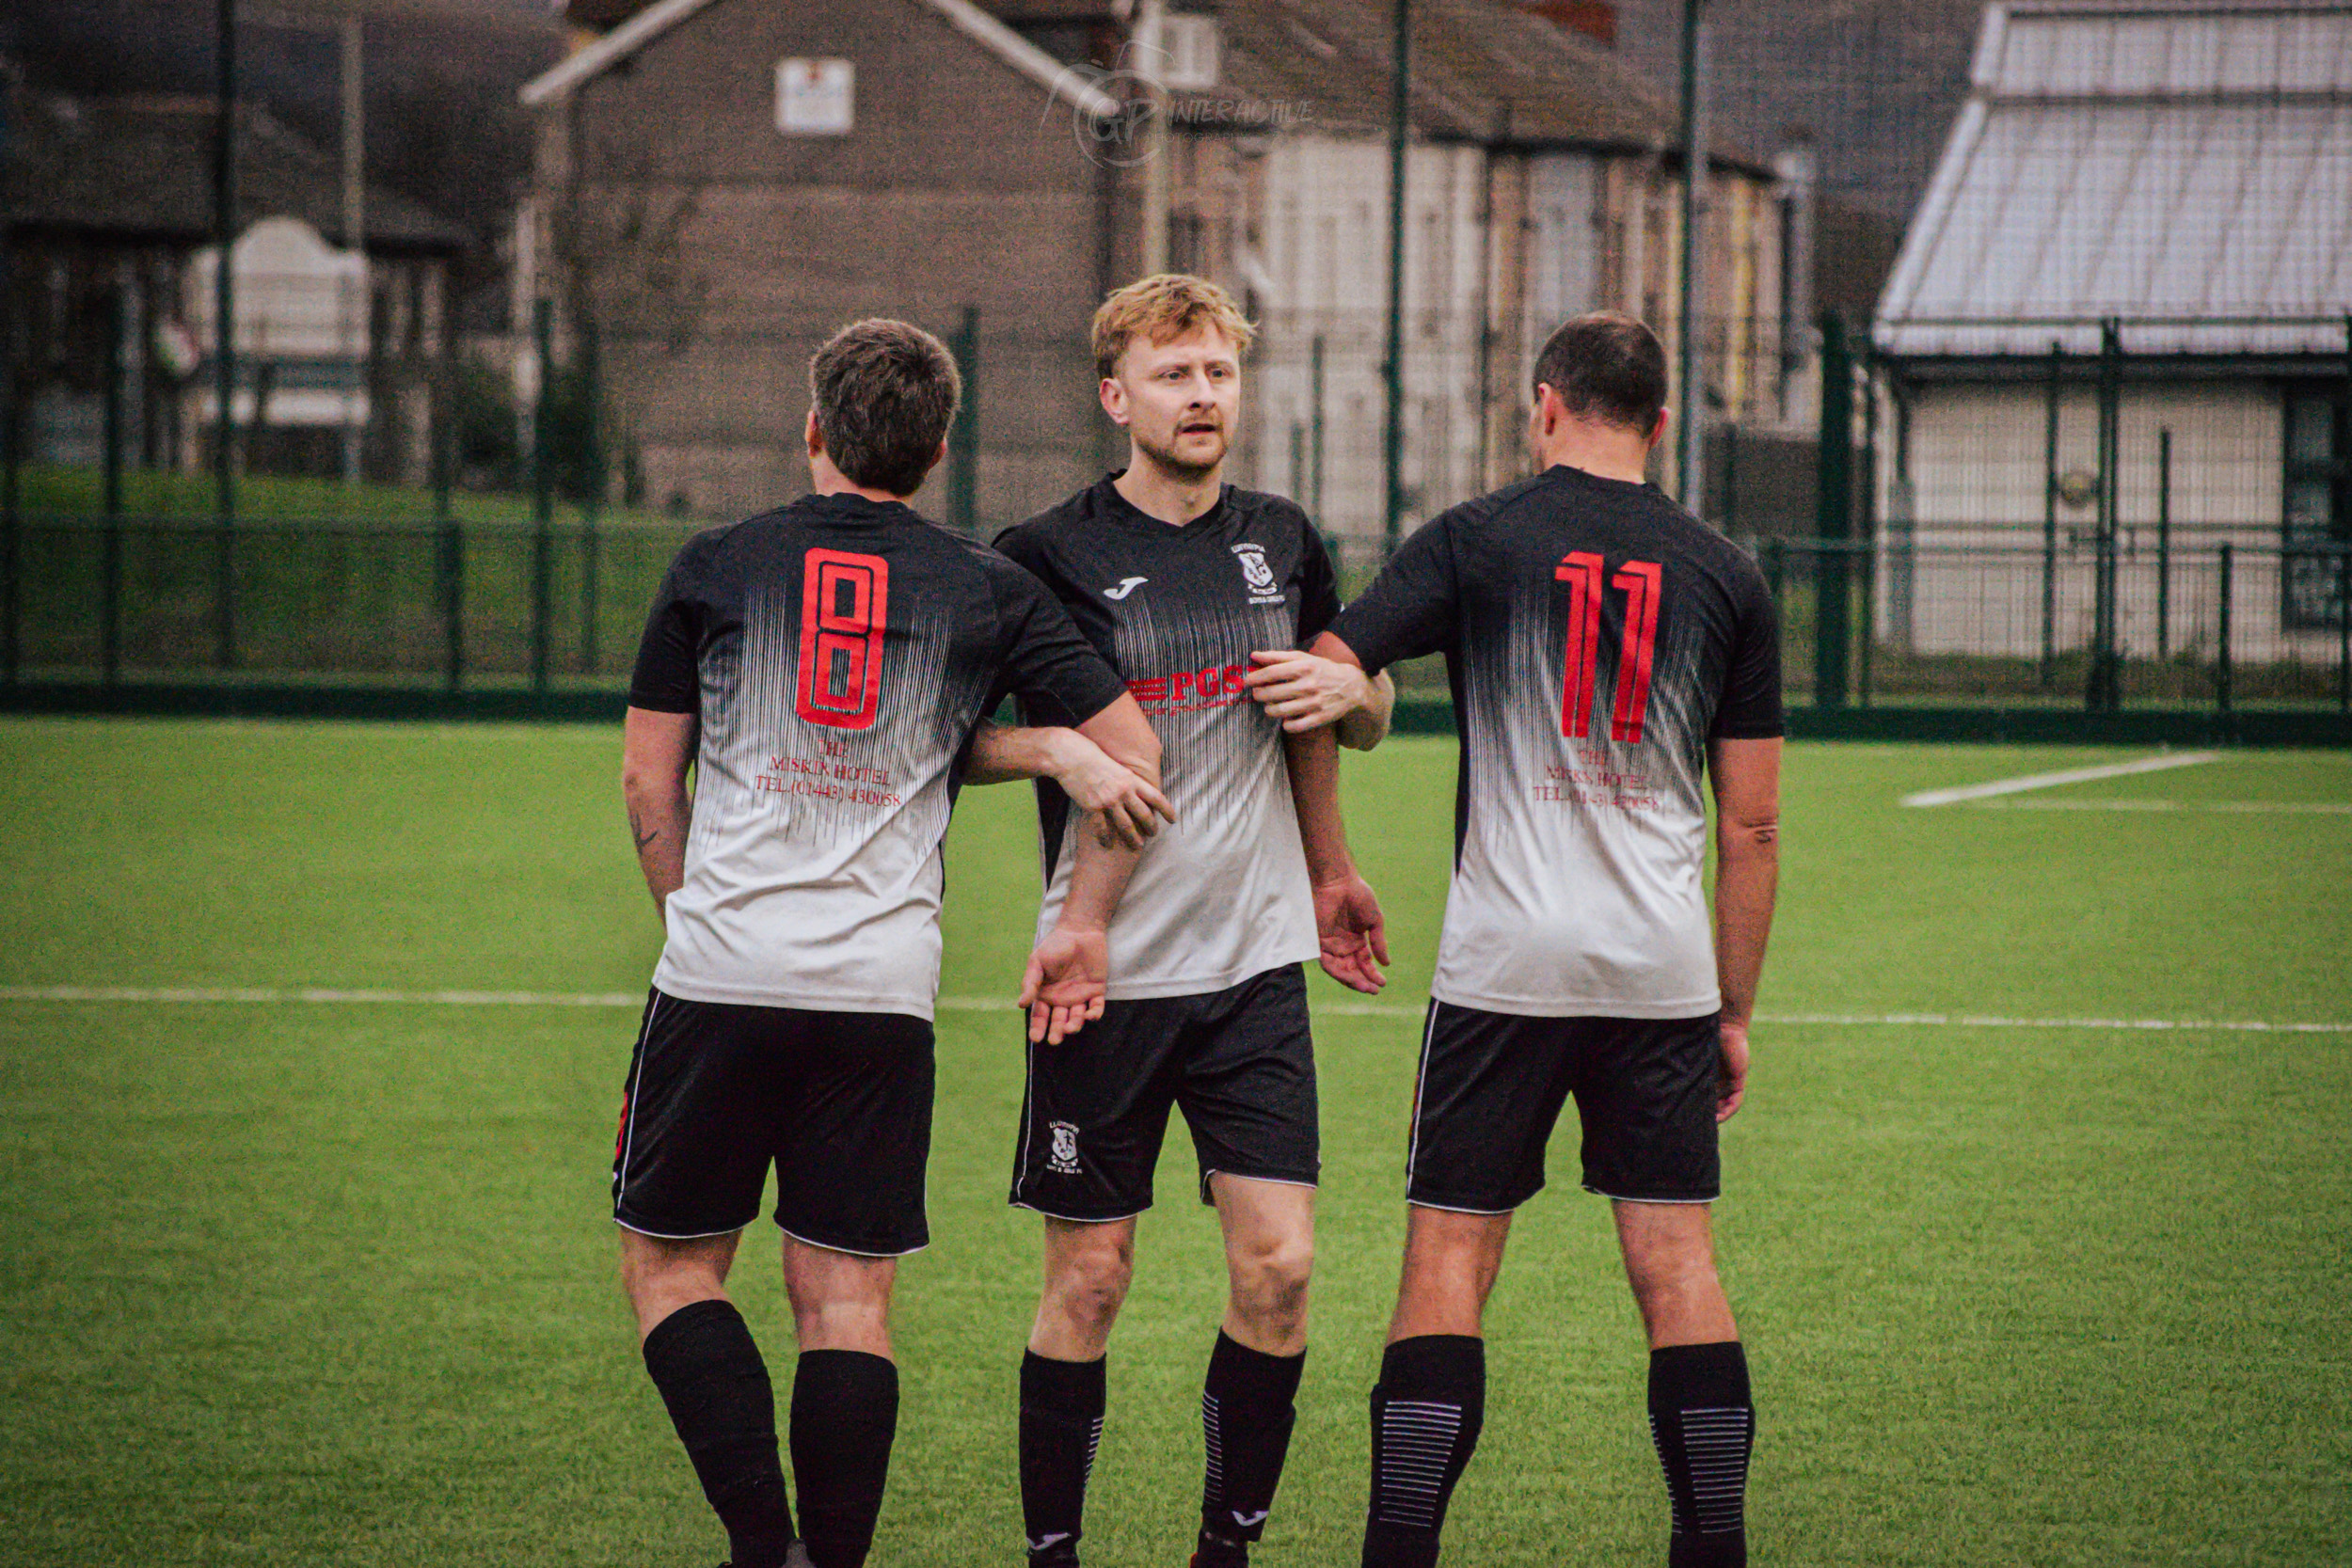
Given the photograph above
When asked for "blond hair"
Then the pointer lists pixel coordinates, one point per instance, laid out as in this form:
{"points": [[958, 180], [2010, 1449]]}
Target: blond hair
{"points": [[1165, 306]]}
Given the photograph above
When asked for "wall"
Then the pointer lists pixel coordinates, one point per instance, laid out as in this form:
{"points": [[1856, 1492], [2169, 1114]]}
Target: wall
{"points": [[1975, 465], [718, 253]]}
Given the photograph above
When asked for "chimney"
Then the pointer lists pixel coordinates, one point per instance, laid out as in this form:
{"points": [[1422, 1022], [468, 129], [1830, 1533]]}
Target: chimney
{"points": [[1594, 19]]}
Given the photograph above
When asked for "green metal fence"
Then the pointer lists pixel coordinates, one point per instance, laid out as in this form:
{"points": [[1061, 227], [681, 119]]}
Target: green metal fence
{"points": [[447, 606]]}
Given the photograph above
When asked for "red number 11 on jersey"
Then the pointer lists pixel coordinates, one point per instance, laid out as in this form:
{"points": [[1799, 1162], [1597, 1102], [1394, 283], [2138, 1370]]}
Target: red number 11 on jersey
{"points": [[1642, 582]]}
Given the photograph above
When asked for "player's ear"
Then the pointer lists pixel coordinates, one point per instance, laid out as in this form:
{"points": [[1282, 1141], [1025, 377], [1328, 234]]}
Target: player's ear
{"points": [[1115, 400], [1658, 431], [1548, 410], [937, 456], [815, 438]]}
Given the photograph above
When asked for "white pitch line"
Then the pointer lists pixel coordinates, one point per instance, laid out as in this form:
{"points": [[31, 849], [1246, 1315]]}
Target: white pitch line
{"points": [[2048, 781], [2323, 807], [265, 995]]}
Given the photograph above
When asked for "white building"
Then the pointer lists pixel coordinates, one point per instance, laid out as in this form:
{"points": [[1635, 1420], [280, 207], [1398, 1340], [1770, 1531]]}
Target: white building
{"points": [[1543, 180], [2182, 170], [301, 336]]}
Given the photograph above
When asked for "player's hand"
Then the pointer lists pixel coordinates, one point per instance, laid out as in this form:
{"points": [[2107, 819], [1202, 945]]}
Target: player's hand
{"points": [[1305, 692], [1064, 983], [1126, 806], [1731, 1077], [1355, 941]]}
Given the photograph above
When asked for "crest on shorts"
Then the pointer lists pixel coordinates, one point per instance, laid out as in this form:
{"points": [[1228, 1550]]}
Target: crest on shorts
{"points": [[1254, 571], [1063, 1159]]}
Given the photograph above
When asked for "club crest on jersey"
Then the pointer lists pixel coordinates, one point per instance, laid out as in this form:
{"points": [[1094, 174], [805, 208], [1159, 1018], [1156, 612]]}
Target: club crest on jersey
{"points": [[1063, 1159], [1256, 574]]}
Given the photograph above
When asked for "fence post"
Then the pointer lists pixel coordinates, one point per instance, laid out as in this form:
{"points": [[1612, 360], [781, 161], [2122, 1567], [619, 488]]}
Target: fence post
{"points": [[964, 438], [542, 494], [1832, 516], [2103, 691], [11, 511], [2344, 628], [110, 542], [2164, 546], [451, 551], [2049, 516], [2221, 665], [1315, 428], [591, 375]]}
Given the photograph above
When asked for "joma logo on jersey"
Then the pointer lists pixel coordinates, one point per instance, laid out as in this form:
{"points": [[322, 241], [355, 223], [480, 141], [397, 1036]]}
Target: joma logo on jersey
{"points": [[1219, 683], [1257, 575]]}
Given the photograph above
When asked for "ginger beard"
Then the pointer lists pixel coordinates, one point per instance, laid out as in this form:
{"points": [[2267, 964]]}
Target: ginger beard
{"points": [[1179, 400]]}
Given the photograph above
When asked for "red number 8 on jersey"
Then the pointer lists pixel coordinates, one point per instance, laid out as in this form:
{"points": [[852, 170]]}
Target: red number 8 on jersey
{"points": [[844, 606]]}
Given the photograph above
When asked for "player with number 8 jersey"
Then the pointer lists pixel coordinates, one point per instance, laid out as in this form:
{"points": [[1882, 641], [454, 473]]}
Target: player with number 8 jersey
{"points": [[821, 668]]}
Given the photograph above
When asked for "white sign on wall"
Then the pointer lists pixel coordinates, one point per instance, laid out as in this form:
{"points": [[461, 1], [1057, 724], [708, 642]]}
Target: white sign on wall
{"points": [[814, 97]]}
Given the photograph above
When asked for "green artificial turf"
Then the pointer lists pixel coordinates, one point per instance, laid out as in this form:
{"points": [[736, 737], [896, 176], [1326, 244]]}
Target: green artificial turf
{"points": [[331, 1283]]}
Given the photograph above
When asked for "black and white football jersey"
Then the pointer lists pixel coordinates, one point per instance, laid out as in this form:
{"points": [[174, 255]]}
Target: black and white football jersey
{"points": [[1596, 637], [839, 653], [1222, 894]]}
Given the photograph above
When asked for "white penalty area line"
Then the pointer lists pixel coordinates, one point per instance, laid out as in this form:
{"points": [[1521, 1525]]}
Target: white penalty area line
{"points": [[2336, 808], [267, 995], [2050, 781]]}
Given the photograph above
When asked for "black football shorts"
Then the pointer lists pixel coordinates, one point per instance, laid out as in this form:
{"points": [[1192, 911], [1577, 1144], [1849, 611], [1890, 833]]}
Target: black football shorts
{"points": [[839, 1103], [1492, 1085], [1240, 1062]]}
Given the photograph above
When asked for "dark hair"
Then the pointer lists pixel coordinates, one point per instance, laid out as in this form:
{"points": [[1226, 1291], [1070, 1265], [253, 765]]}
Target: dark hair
{"points": [[884, 394], [1608, 367]]}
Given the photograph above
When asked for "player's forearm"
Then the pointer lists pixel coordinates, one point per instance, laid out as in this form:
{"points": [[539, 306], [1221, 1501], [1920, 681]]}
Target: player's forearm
{"points": [[1747, 875], [1098, 878], [656, 750], [1002, 754], [1368, 726], [1314, 772], [659, 813]]}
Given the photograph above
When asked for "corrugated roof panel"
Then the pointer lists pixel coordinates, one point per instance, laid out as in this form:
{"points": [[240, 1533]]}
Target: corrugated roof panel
{"points": [[2318, 52], [2023, 59], [2192, 60], [2185, 239], [2249, 55], [2143, 204], [2072, 189]]}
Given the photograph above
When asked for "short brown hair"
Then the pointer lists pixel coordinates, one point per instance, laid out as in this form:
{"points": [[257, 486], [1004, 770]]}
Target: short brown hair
{"points": [[1608, 367], [1164, 306], [884, 392]]}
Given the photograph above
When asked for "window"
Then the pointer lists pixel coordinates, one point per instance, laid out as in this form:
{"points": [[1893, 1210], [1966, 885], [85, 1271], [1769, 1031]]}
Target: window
{"points": [[2318, 495], [1190, 45]]}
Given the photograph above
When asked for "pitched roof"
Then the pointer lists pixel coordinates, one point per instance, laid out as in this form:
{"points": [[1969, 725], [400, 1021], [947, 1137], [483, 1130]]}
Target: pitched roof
{"points": [[2186, 167], [966, 18], [1483, 71], [140, 169]]}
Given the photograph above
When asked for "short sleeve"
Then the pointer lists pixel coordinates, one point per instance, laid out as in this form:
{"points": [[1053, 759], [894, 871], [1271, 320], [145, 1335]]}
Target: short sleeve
{"points": [[668, 678], [1318, 585], [1751, 709], [1413, 607], [1043, 659]]}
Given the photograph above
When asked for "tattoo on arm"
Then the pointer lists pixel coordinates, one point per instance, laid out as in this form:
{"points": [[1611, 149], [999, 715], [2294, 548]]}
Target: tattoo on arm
{"points": [[638, 831]]}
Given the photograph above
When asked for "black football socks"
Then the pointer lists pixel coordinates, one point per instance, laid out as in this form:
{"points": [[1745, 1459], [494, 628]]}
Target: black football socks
{"points": [[1246, 1413], [1702, 1419], [702, 1360], [845, 1412], [1427, 1411], [1061, 1426]]}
